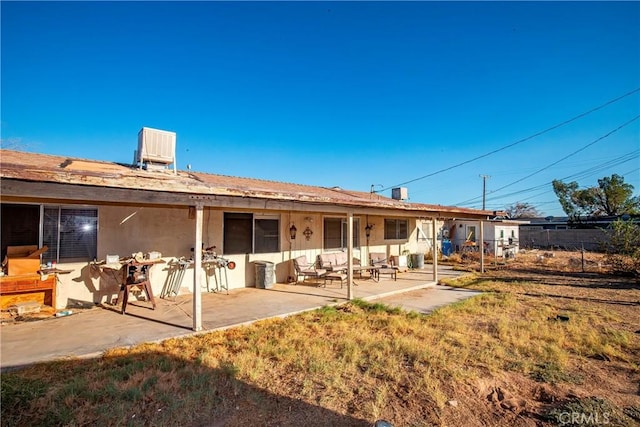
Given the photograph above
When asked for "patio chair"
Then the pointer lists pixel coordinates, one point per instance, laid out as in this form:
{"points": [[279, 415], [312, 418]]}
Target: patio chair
{"points": [[307, 270]]}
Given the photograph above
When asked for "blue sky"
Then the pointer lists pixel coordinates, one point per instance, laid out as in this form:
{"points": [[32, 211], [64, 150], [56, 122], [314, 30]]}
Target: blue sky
{"points": [[352, 94]]}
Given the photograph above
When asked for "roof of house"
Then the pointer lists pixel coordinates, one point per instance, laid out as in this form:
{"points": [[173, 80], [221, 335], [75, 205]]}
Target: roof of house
{"points": [[34, 167], [502, 221]]}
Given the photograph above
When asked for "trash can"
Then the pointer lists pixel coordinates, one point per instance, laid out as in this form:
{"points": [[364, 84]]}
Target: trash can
{"points": [[447, 248], [417, 260], [264, 274]]}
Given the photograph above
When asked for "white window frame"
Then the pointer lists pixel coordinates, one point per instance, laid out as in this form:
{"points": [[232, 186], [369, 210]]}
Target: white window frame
{"points": [[254, 217], [343, 233]]}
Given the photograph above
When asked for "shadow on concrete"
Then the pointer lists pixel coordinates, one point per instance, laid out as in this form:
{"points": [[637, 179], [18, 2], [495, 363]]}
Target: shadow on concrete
{"points": [[116, 309], [305, 292]]}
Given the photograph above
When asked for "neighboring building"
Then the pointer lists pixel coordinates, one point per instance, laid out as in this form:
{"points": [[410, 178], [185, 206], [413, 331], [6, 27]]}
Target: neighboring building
{"points": [[548, 223], [501, 236], [563, 222], [84, 210]]}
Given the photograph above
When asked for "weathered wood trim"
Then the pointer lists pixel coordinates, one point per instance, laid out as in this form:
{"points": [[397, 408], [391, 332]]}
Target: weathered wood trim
{"points": [[56, 193]]}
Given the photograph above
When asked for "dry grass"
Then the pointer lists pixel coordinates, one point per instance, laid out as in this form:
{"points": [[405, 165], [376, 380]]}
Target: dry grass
{"points": [[507, 357]]}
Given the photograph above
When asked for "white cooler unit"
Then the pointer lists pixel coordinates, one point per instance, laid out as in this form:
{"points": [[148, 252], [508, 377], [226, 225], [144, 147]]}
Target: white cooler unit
{"points": [[156, 149]]}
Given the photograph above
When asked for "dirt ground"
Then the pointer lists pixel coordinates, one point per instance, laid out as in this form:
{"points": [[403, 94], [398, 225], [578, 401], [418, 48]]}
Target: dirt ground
{"points": [[601, 389], [589, 391], [608, 390]]}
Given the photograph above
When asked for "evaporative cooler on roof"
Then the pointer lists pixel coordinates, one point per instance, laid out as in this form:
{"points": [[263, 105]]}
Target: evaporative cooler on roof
{"points": [[399, 193], [156, 149]]}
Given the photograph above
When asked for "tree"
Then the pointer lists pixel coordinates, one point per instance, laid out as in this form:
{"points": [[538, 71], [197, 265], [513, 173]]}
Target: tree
{"points": [[522, 210], [615, 197], [612, 197]]}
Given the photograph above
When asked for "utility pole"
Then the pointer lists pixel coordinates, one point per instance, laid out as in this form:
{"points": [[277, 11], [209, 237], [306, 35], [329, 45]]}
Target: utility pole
{"points": [[484, 189]]}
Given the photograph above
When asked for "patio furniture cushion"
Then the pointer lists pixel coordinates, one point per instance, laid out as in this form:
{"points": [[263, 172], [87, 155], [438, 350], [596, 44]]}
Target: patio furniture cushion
{"points": [[333, 260]]}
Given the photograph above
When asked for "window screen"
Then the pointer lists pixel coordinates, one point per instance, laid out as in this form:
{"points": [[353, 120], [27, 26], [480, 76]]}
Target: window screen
{"points": [[71, 234], [332, 233], [335, 233], [395, 229], [246, 233], [238, 230], [266, 235]]}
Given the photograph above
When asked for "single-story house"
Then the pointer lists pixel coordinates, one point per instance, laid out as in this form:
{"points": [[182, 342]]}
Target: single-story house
{"points": [[565, 223], [85, 210]]}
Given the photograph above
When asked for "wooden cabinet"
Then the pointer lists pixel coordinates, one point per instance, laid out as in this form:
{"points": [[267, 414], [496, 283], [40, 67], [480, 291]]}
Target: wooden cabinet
{"points": [[27, 287]]}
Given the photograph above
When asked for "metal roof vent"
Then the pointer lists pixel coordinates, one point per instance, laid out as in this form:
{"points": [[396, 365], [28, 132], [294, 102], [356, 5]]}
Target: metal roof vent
{"points": [[399, 193], [156, 149]]}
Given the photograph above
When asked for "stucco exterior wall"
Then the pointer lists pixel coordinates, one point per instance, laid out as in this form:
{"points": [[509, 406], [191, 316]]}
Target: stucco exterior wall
{"points": [[125, 230]]}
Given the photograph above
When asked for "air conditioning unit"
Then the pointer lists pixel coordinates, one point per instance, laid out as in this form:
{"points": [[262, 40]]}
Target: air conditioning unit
{"points": [[400, 193], [156, 149]]}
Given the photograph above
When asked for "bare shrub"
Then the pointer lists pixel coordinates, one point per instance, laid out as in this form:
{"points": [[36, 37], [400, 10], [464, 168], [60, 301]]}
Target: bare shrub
{"points": [[623, 249]]}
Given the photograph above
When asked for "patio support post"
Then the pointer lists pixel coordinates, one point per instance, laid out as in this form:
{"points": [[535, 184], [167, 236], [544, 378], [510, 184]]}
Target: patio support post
{"points": [[434, 249], [481, 246], [197, 273], [350, 255]]}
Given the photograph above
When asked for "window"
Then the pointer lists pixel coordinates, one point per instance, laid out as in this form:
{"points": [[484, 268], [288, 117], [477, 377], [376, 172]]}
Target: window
{"points": [[471, 233], [266, 234], [396, 229], [246, 233], [335, 233], [71, 234], [237, 233]]}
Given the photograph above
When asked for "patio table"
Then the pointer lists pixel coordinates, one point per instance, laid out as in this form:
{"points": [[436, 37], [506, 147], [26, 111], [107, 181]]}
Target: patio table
{"points": [[372, 269]]}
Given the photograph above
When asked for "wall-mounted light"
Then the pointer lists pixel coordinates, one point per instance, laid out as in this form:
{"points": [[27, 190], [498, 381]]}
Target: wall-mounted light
{"points": [[307, 233], [292, 232], [367, 230]]}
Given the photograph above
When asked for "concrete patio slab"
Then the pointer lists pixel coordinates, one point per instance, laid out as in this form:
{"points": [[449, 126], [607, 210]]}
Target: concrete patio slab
{"points": [[90, 333]]}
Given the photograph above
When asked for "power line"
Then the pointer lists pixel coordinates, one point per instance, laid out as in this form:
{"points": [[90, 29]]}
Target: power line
{"points": [[543, 192], [569, 155], [578, 175], [515, 143]]}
